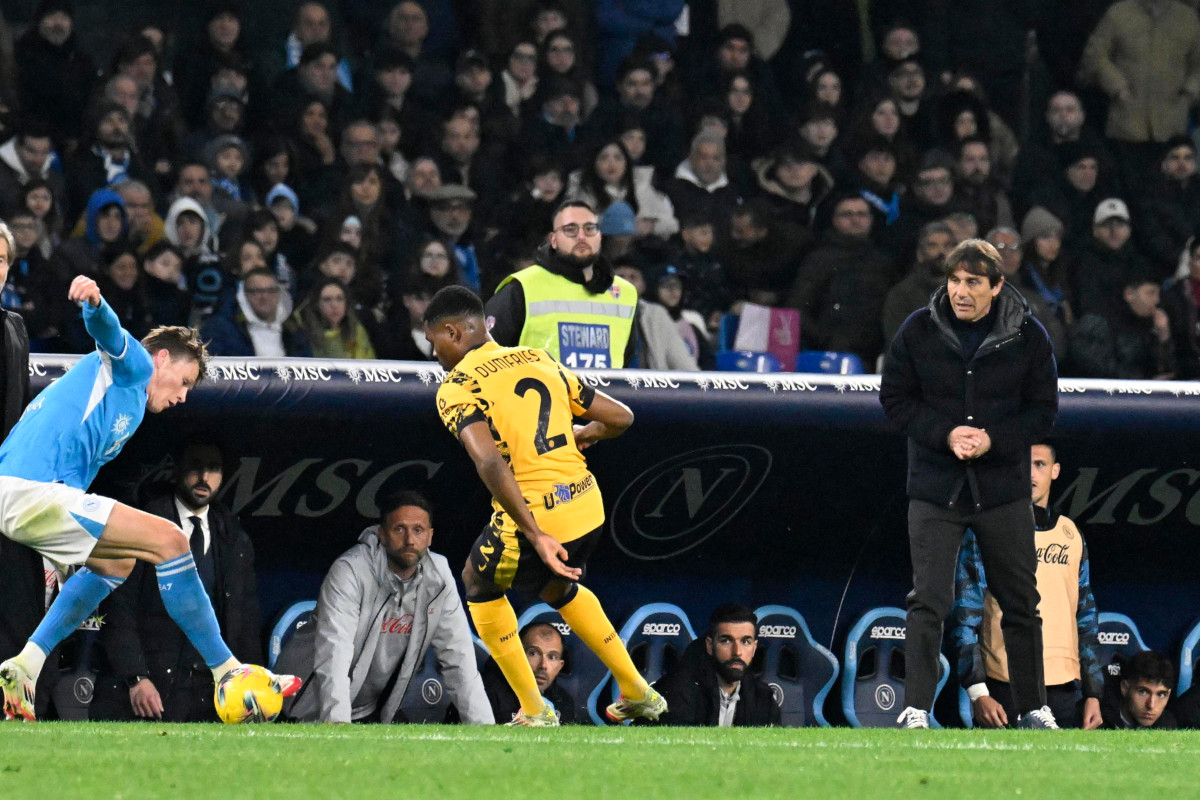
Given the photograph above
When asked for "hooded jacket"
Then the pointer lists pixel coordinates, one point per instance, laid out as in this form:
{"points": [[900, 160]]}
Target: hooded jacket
{"points": [[171, 225], [792, 205], [81, 255], [228, 331], [354, 596], [1009, 388]]}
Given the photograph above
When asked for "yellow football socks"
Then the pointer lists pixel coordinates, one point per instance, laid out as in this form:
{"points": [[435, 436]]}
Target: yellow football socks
{"points": [[589, 622], [496, 624]]}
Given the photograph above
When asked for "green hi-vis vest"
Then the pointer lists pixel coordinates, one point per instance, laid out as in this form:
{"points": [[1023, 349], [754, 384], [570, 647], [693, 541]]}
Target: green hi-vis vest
{"points": [[581, 330]]}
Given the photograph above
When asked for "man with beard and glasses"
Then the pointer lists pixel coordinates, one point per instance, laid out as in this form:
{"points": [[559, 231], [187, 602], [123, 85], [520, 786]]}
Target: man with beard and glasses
{"points": [[382, 604], [568, 302], [711, 686], [152, 672]]}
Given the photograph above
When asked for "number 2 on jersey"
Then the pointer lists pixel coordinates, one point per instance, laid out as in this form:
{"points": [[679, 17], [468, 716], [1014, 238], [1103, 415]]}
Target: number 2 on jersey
{"points": [[541, 442]]}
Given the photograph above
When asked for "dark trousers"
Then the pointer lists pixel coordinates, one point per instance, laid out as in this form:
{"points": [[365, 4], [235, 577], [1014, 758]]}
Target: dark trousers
{"points": [[1065, 701], [1006, 542]]}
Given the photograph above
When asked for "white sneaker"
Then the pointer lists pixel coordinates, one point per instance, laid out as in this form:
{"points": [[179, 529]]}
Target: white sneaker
{"points": [[18, 691], [650, 707], [1038, 719], [913, 718], [548, 718]]}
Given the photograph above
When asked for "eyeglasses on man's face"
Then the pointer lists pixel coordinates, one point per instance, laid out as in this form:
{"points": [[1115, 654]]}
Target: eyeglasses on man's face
{"points": [[572, 229]]}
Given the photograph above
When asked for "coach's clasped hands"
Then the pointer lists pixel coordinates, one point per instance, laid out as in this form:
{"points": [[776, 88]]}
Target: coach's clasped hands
{"points": [[968, 443]]}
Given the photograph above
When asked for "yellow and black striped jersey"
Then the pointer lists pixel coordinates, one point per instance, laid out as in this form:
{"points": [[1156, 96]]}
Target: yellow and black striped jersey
{"points": [[528, 401]]}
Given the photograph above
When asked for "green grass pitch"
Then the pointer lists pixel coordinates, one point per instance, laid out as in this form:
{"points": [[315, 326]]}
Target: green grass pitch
{"points": [[430, 762]]}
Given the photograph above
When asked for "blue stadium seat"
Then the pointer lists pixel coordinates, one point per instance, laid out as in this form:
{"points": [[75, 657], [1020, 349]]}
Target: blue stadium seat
{"points": [[799, 671], [747, 361], [727, 333], [1119, 636], [1188, 659], [293, 618], [426, 699], [656, 636], [873, 670], [583, 675], [828, 362]]}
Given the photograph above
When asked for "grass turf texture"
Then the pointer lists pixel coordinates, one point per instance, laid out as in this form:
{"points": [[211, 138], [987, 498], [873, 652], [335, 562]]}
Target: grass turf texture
{"points": [[301, 761]]}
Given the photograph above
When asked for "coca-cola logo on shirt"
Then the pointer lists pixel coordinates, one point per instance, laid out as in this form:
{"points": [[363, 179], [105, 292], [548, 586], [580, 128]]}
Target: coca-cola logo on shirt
{"points": [[401, 624]]}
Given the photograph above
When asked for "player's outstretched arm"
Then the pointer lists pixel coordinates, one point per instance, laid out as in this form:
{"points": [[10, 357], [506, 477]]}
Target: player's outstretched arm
{"points": [[500, 481], [100, 320], [607, 419]]}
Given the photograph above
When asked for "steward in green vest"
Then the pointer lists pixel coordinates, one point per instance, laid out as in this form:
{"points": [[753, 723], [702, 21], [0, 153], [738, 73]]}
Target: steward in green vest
{"points": [[585, 321]]}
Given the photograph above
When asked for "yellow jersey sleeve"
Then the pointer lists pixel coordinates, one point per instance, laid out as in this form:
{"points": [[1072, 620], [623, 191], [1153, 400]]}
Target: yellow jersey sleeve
{"points": [[579, 393], [459, 402]]}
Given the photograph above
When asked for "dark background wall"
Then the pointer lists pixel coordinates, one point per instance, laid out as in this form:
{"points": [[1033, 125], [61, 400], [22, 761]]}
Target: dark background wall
{"points": [[772, 489]]}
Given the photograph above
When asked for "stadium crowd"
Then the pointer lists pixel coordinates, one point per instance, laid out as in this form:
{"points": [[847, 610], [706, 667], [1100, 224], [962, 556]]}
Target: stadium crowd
{"points": [[307, 195]]}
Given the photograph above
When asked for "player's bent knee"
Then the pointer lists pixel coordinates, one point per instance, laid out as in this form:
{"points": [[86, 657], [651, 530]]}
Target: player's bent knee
{"points": [[558, 593], [168, 542], [477, 589]]}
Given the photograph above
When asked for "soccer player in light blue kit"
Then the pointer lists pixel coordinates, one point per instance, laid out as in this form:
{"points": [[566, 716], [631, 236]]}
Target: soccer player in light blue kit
{"points": [[75, 426]]}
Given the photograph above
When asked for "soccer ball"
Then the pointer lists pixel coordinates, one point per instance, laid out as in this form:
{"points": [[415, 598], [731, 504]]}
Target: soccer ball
{"points": [[248, 694]]}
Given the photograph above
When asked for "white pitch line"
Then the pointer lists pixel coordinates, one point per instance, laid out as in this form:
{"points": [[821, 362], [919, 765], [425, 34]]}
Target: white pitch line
{"points": [[410, 734]]}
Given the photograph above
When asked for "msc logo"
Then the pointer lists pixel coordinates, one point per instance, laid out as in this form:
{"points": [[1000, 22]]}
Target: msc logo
{"points": [[234, 372], [563, 628], [304, 373], [1113, 637], [431, 691], [566, 492], [887, 632], [682, 501], [885, 697], [777, 632], [661, 629]]}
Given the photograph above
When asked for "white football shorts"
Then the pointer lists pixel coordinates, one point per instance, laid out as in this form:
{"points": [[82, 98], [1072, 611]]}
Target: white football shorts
{"points": [[59, 521]]}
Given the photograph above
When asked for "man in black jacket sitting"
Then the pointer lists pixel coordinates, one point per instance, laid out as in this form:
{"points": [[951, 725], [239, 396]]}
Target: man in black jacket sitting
{"points": [[152, 670], [710, 685]]}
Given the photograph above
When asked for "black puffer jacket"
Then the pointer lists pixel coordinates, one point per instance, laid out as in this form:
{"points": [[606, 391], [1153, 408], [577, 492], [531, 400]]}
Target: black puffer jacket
{"points": [[691, 691], [1009, 388], [840, 292]]}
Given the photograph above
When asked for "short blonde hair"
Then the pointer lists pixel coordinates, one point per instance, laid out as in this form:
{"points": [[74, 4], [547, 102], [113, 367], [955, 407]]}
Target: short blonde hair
{"points": [[180, 342]]}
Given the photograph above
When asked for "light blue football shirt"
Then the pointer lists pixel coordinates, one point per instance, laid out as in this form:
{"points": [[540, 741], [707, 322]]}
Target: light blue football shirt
{"points": [[81, 421]]}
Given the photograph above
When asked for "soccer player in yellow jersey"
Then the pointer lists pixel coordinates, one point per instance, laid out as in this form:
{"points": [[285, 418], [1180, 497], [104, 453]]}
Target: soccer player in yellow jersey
{"points": [[512, 408]]}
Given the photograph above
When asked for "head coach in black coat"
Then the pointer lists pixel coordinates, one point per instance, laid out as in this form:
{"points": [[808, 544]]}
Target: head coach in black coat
{"points": [[971, 380]]}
